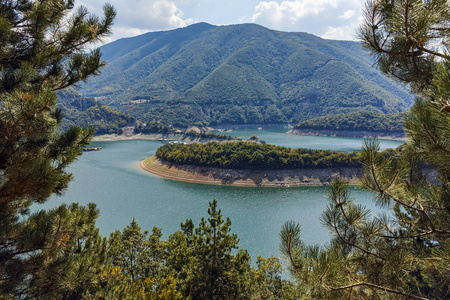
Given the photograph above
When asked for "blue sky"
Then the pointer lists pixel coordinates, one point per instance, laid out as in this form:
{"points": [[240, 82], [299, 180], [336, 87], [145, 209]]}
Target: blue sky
{"points": [[331, 19]]}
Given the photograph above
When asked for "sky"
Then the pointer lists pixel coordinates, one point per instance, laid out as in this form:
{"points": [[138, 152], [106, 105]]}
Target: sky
{"points": [[330, 19]]}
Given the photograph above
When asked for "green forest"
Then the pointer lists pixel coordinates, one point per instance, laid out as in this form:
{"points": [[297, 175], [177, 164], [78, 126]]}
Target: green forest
{"points": [[209, 136], [59, 253], [240, 74], [358, 121], [250, 155], [82, 111], [158, 127]]}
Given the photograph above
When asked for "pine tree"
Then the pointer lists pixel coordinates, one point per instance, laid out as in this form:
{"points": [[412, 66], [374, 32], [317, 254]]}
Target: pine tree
{"points": [[406, 252], [69, 252], [128, 249], [213, 246], [135, 263], [201, 258], [138, 256], [41, 51], [409, 38]]}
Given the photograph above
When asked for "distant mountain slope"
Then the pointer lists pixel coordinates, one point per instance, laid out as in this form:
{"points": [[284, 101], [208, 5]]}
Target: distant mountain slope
{"points": [[357, 121], [82, 111], [208, 75]]}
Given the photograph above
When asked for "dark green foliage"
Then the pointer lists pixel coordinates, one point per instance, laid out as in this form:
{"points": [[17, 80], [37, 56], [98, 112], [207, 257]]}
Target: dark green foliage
{"points": [[48, 254], [133, 268], [409, 39], [153, 127], [59, 254], [246, 155], [370, 257], [71, 254], [64, 253], [31, 155], [213, 271], [404, 253], [138, 257], [206, 264], [208, 135], [268, 283], [82, 111], [241, 74], [194, 263], [358, 121], [43, 46], [158, 127]]}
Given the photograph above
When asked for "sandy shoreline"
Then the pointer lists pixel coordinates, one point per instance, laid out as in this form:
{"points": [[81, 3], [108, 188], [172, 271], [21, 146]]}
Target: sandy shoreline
{"points": [[115, 137], [157, 136], [248, 178]]}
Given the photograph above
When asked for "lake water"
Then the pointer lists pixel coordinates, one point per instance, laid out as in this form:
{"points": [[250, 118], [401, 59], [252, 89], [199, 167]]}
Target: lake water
{"points": [[113, 180], [278, 136]]}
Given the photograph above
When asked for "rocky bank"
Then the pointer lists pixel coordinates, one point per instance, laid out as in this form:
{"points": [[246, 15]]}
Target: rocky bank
{"points": [[249, 178]]}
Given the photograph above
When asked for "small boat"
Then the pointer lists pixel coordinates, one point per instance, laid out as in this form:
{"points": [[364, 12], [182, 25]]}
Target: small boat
{"points": [[92, 149]]}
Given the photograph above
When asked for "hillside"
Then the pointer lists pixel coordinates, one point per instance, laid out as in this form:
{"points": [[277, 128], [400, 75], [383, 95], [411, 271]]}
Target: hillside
{"points": [[82, 111], [240, 74], [358, 121]]}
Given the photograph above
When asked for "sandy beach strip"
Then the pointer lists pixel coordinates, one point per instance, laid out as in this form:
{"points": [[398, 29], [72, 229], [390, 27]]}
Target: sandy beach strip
{"points": [[116, 137], [246, 178], [154, 166]]}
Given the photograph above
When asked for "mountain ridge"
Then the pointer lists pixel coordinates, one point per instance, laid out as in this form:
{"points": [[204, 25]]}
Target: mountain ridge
{"points": [[239, 74]]}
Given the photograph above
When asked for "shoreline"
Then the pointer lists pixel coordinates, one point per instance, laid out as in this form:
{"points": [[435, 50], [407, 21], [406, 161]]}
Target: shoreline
{"points": [[307, 132], [349, 133], [148, 137], [248, 178]]}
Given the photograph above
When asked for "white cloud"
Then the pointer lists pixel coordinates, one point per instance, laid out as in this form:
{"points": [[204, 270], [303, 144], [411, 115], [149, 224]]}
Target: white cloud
{"points": [[346, 32], [338, 33], [347, 15], [327, 18], [289, 10], [151, 15], [139, 16], [165, 14], [335, 19], [122, 31]]}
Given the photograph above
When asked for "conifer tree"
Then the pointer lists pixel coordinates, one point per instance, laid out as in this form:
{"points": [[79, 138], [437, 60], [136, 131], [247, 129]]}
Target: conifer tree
{"points": [[41, 51], [212, 246], [201, 258], [69, 252], [406, 253], [134, 265]]}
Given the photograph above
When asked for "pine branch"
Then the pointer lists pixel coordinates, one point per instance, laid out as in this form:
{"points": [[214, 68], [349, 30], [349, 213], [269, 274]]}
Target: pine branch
{"points": [[409, 296], [335, 226], [440, 231], [324, 272], [441, 55]]}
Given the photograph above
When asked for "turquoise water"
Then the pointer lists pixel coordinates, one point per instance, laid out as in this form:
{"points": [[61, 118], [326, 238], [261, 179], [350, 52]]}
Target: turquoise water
{"points": [[277, 136], [113, 180]]}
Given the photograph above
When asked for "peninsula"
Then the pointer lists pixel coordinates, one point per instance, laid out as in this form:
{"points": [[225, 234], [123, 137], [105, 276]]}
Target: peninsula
{"points": [[252, 164], [365, 124]]}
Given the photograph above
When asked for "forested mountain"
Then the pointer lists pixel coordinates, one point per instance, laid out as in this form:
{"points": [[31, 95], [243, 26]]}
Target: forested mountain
{"points": [[82, 111], [357, 121], [209, 75]]}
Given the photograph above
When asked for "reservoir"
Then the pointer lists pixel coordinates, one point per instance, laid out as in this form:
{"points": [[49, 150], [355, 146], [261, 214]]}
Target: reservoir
{"points": [[112, 179]]}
